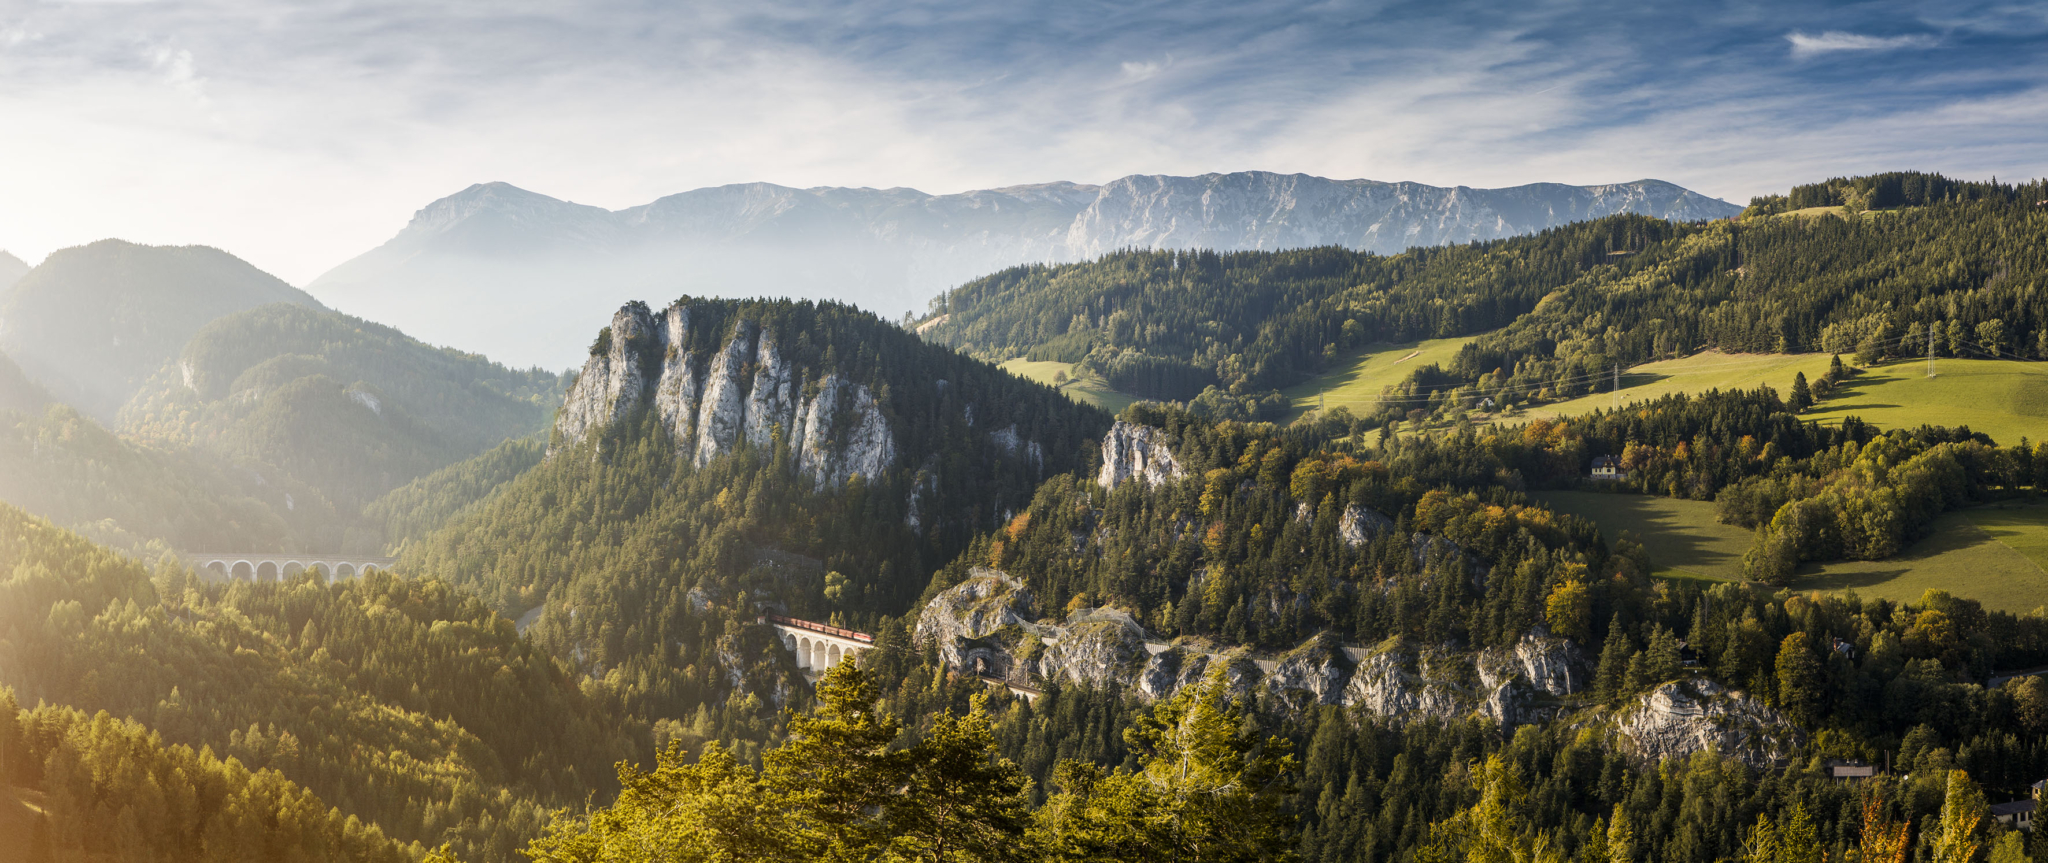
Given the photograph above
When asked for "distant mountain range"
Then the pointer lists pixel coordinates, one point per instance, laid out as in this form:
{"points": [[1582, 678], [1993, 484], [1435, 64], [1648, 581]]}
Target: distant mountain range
{"points": [[525, 277]]}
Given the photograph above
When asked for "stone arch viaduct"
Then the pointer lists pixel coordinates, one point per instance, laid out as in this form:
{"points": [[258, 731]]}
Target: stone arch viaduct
{"points": [[818, 646], [264, 566]]}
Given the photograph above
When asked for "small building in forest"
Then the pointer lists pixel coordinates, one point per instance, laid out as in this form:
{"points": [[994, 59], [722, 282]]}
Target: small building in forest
{"points": [[2018, 815], [1606, 467]]}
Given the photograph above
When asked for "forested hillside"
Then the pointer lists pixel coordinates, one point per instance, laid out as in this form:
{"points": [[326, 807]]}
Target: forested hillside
{"points": [[1179, 634], [91, 323], [1569, 304], [1262, 537], [64, 466], [646, 537], [95, 787], [403, 703], [352, 408], [17, 392]]}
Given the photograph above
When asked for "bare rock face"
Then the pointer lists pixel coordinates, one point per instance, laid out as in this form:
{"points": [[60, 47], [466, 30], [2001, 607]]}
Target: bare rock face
{"points": [[1687, 716], [1314, 673], [1132, 451], [1382, 685], [743, 391], [1169, 670], [1550, 665], [1359, 525], [1102, 647], [980, 626], [961, 619]]}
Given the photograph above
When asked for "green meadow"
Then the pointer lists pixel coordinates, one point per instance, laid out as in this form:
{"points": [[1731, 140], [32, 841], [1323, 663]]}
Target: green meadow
{"points": [[2007, 399], [1996, 554], [1707, 370], [1086, 390], [1357, 381]]}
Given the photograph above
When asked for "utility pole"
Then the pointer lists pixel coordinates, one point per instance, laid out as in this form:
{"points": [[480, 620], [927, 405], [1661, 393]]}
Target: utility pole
{"points": [[1930, 350], [1617, 386]]}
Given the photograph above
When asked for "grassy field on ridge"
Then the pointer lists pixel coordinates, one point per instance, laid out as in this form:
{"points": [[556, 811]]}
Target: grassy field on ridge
{"points": [[1090, 390], [1996, 554]]}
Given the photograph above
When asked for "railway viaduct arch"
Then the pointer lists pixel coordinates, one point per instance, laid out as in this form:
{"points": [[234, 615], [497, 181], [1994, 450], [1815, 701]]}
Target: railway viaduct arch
{"points": [[818, 646], [266, 566]]}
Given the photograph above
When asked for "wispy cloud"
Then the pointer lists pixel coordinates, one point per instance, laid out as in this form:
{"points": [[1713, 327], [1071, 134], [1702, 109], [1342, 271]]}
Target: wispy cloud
{"points": [[1804, 45], [301, 134]]}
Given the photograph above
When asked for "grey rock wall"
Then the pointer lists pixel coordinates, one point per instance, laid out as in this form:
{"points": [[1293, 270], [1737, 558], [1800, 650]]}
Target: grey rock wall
{"points": [[744, 392], [1683, 717], [1132, 451]]}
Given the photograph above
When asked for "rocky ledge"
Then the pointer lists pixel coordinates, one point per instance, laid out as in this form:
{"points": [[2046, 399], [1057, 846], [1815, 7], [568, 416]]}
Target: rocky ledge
{"points": [[1682, 717], [983, 625]]}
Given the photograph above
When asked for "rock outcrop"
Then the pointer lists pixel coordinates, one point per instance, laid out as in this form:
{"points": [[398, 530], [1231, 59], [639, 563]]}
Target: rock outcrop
{"points": [[1102, 647], [1313, 674], [981, 625], [1132, 451], [1553, 666], [740, 391], [962, 619], [1682, 717], [1359, 525], [1385, 685]]}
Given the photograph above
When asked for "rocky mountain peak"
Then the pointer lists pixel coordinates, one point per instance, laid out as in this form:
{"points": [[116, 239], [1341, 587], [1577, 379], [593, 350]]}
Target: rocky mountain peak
{"points": [[718, 384]]}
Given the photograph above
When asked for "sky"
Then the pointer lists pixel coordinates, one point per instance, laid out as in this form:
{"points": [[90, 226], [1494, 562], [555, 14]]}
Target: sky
{"points": [[297, 135]]}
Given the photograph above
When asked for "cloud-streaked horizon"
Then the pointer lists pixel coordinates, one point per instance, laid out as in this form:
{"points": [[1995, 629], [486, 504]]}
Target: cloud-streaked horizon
{"points": [[299, 136]]}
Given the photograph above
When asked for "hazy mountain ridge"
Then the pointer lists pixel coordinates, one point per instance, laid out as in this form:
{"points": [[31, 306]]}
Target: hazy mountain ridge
{"points": [[11, 269], [17, 392], [92, 322], [503, 253]]}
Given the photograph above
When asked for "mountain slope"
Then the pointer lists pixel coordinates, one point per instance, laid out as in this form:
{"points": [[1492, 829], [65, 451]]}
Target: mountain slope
{"points": [[11, 269], [718, 453], [92, 322], [529, 272], [402, 702], [350, 407], [17, 392]]}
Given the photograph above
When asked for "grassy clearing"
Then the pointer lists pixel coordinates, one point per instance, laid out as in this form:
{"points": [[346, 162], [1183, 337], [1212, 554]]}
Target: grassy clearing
{"points": [[1698, 373], [1089, 390], [1996, 554], [1838, 212], [1960, 556], [2006, 399], [1357, 381], [2020, 527], [1682, 537]]}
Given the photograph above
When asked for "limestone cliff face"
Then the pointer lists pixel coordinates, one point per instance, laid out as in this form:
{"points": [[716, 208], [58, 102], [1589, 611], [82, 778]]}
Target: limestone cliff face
{"points": [[743, 390], [1132, 451], [1553, 666], [1687, 716], [1313, 674], [1105, 649], [981, 625], [960, 619], [1394, 683]]}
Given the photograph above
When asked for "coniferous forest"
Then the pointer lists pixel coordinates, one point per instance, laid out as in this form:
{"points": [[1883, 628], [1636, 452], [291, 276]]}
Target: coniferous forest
{"points": [[1190, 631]]}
